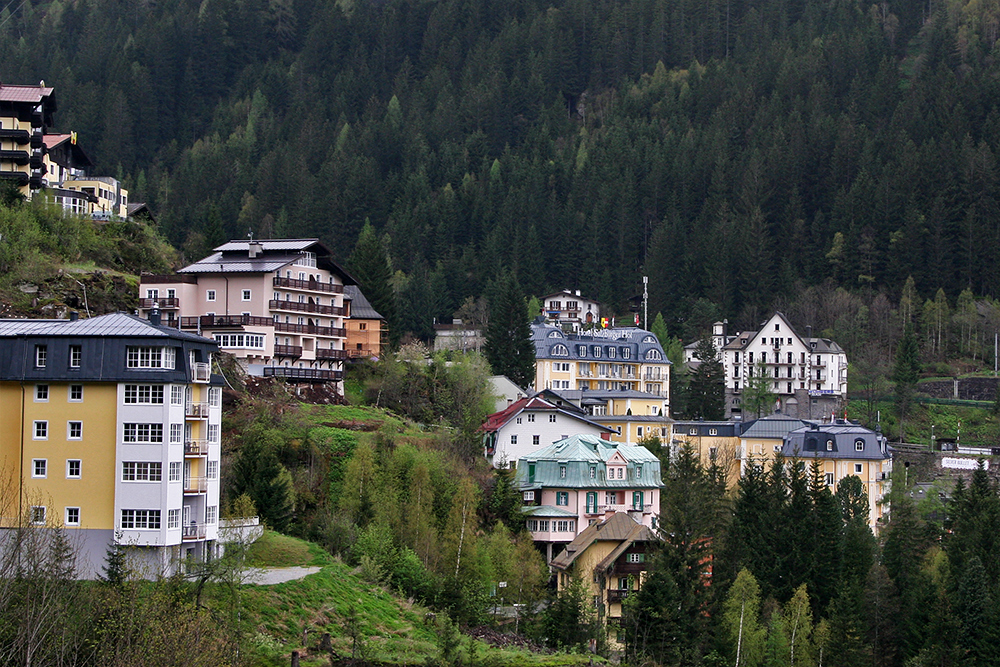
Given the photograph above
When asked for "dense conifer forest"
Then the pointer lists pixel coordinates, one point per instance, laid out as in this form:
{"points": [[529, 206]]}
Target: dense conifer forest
{"points": [[735, 151]]}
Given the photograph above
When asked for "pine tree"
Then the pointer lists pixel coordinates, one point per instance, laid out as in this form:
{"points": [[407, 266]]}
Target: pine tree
{"points": [[757, 397], [508, 345], [369, 264], [706, 387]]}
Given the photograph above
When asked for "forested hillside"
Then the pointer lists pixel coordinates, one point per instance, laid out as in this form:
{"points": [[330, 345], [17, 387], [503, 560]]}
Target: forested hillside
{"points": [[731, 150]]}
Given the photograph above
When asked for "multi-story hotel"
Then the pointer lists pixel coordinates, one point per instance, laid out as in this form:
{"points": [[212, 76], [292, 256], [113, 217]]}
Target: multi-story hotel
{"points": [[110, 428], [622, 359], [807, 375], [277, 305], [25, 113], [583, 480]]}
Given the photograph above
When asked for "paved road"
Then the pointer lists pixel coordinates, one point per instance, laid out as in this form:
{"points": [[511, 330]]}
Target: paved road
{"points": [[278, 575]]}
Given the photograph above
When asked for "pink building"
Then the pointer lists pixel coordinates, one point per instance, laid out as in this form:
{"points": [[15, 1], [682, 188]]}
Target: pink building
{"points": [[582, 480], [277, 305]]}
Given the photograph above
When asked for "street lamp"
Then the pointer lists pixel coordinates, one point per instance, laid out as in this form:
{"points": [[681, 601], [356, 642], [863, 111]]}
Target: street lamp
{"points": [[932, 437]]}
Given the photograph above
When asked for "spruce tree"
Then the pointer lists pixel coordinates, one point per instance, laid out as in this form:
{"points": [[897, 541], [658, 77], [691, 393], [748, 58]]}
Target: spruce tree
{"points": [[706, 387], [369, 264], [508, 345]]}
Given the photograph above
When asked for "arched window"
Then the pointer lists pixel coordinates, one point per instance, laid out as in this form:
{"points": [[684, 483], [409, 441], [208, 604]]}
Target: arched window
{"points": [[653, 355], [555, 334], [560, 350], [649, 339]]}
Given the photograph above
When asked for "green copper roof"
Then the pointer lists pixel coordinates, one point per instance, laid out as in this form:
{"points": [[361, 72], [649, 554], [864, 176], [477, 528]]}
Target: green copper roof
{"points": [[580, 461]]}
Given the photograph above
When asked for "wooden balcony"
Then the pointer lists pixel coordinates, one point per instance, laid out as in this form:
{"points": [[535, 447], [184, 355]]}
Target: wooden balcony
{"points": [[294, 351], [615, 596], [308, 285], [277, 304], [306, 374], [225, 322], [324, 353], [167, 303], [333, 332]]}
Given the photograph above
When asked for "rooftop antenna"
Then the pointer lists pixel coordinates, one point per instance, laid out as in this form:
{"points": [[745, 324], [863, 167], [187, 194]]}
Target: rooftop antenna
{"points": [[250, 235]]}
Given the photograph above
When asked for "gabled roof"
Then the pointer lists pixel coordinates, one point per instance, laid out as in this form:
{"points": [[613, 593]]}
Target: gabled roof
{"points": [[29, 94], [620, 527], [361, 309], [498, 420], [568, 293], [67, 147]]}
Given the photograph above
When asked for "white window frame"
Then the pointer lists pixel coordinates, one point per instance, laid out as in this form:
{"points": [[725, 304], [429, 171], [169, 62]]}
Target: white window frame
{"points": [[143, 394], [40, 429], [37, 515], [176, 394], [140, 519], [174, 471], [75, 356], [858, 469], [69, 430], [41, 356], [173, 519], [69, 468], [69, 393], [135, 433], [142, 471], [246, 295], [41, 393], [67, 520], [212, 470], [210, 295], [39, 468]]}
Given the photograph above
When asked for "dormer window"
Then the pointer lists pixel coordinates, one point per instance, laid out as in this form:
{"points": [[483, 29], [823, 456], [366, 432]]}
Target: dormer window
{"points": [[829, 445], [555, 334], [560, 350], [859, 445]]}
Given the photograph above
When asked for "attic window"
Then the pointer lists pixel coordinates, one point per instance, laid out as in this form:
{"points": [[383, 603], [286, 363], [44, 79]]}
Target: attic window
{"points": [[560, 350], [829, 445], [555, 334], [859, 445], [693, 431], [562, 472]]}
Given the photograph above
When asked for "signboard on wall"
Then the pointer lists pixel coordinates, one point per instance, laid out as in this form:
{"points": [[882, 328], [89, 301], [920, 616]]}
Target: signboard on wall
{"points": [[962, 464]]}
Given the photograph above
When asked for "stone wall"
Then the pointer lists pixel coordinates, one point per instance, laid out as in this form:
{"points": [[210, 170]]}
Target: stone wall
{"points": [[968, 389]]}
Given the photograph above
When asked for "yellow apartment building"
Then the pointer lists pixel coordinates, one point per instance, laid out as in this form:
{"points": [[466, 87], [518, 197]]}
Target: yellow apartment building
{"points": [[110, 429]]}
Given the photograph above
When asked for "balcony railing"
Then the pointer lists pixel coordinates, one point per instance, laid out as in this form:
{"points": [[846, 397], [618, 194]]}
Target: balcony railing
{"points": [[649, 375], [288, 351], [201, 371], [356, 354], [276, 304], [196, 447], [311, 285], [195, 485], [311, 374], [616, 595], [196, 410], [194, 531], [334, 332], [325, 353], [225, 321], [168, 302]]}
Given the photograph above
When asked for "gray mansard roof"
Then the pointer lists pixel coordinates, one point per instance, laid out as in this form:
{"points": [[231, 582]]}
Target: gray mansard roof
{"points": [[842, 440], [582, 346]]}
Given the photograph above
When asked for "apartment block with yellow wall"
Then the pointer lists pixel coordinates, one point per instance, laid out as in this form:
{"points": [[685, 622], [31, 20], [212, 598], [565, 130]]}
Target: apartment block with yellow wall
{"points": [[711, 442], [610, 559], [619, 359], [110, 428], [762, 438], [844, 449]]}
